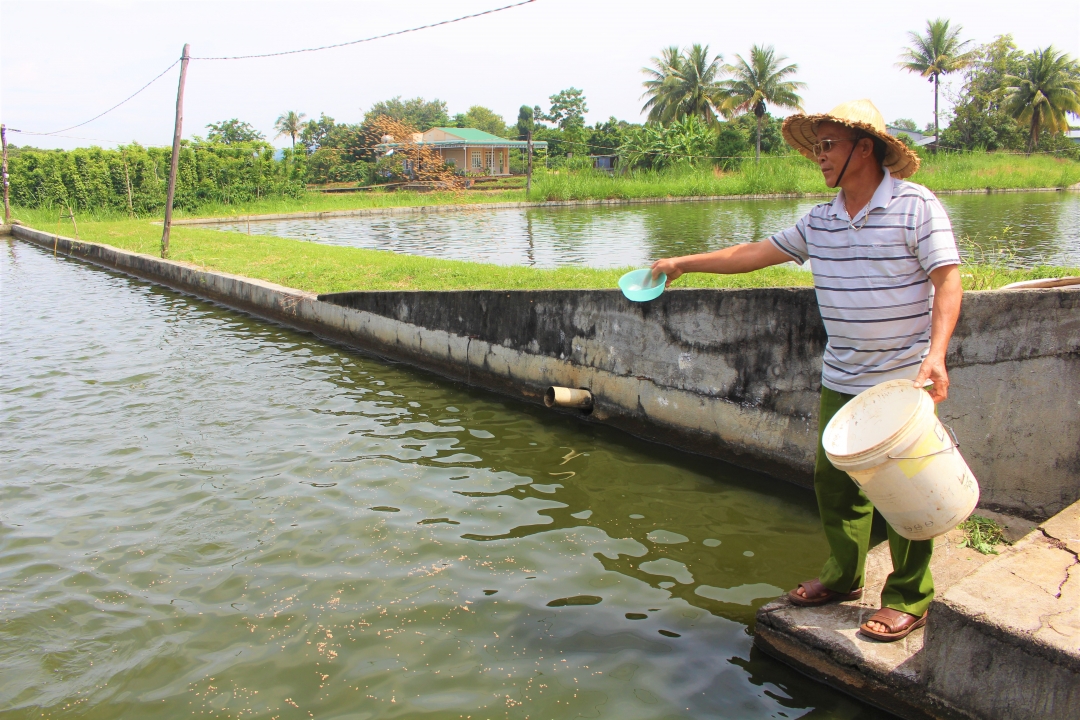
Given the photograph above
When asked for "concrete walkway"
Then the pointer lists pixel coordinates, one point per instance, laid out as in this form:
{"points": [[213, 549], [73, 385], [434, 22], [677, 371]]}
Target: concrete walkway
{"points": [[1002, 640]]}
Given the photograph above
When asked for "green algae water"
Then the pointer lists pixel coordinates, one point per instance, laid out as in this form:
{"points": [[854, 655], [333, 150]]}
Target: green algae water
{"points": [[205, 515]]}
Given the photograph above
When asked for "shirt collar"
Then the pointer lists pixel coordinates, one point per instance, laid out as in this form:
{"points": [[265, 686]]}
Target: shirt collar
{"points": [[881, 198]]}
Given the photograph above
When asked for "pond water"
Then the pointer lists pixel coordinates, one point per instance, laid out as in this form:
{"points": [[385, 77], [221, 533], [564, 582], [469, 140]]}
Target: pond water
{"points": [[1019, 229], [204, 514]]}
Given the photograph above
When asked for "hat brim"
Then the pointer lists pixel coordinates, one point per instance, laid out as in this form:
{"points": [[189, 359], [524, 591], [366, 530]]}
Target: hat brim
{"points": [[800, 132]]}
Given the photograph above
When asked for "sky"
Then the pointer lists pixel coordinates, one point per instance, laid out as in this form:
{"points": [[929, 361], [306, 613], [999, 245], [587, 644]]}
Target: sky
{"points": [[64, 62]]}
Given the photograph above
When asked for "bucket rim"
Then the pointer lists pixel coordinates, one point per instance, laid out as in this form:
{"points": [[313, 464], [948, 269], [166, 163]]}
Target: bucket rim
{"points": [[887, 444]]}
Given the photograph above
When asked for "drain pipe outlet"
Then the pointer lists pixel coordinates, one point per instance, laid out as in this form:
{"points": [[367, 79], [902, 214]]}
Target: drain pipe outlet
{"points": [[568, 397]]}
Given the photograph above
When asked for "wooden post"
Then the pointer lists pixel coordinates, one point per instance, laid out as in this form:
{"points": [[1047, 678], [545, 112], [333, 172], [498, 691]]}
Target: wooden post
{"points": [[175, 151], [528, 168], [7, 208]]}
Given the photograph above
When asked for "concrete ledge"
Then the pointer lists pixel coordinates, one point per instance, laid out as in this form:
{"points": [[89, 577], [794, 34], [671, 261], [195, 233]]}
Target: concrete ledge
{"points": [[823, 642], [1002, 640], [1005, 641]]}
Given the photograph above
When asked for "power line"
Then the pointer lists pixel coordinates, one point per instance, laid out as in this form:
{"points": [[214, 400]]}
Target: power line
{"points": [[276, 54], [374, 37], [66, 137], [129, 97]]}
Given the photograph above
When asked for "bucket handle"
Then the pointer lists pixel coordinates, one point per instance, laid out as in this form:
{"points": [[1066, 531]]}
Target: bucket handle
{"points": [[955, 445]]}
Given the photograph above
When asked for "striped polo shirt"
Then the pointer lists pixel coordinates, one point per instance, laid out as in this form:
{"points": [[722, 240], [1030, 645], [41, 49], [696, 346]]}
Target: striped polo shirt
{"points": [[871, 276]]}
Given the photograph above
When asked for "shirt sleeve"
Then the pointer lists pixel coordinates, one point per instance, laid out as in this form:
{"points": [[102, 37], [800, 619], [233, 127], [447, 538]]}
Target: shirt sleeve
{"points": [[793, 241], [936, 246]]}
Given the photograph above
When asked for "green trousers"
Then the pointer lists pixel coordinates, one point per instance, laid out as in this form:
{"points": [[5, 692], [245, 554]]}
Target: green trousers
{"points": [[846, 514]]}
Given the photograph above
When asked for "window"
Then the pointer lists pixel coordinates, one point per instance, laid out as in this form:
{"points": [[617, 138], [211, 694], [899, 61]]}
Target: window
{"points": [[477, 160]]}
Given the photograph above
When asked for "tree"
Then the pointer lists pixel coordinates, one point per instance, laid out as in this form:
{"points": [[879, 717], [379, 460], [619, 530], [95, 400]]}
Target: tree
{"points": [[481, 118], [761, 82], [681, 84], [230, 132], [289, 123], [978, 119], [525, 122], [938, 52], [568, 109], [606, 137], [905, 124], [417, 112], [315, 132], [1044, 93]]}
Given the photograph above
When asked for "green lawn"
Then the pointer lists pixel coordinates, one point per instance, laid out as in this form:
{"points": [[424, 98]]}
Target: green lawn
{"points": [[326, 268]]}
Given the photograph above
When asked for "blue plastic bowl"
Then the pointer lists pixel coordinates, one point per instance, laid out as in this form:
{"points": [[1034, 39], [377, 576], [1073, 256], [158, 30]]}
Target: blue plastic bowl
{"points": [[637, 285]]}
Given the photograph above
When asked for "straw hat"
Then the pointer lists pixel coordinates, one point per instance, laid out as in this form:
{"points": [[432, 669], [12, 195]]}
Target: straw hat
{"points": [[800, 131]]}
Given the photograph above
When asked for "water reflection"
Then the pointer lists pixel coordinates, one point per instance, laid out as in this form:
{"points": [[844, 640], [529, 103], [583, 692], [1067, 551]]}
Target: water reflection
{"points": [[1019, 229], [1026, 228], [201, 513]]}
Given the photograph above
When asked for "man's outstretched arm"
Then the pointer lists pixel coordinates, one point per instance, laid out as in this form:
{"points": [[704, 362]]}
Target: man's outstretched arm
{"points": [[746, 257]]}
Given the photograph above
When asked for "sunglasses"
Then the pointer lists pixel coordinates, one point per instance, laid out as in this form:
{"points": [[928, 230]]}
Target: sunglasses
{"points": [[827, 146]]}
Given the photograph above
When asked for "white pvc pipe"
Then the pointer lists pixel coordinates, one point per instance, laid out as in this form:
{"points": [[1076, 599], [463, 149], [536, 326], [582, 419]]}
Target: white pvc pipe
{"points": [[568, 397]]}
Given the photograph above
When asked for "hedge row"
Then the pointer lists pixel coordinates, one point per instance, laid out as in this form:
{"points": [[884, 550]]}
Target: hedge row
{"points": [[136, 177]]}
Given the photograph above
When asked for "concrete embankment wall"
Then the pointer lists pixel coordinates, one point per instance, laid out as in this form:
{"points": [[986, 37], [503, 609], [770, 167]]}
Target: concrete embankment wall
{"points": [[733, 374]]}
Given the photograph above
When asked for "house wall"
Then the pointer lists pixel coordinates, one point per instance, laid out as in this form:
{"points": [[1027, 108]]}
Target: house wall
{"points": [[436, 135], [455, 154]]}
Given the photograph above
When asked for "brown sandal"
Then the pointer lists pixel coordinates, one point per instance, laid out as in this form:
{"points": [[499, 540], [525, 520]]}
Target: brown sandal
{"points": [[818, 594], [900, 624]]}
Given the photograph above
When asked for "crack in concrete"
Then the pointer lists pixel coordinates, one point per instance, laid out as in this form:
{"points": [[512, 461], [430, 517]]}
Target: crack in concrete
{"points": [[1059, 544]]}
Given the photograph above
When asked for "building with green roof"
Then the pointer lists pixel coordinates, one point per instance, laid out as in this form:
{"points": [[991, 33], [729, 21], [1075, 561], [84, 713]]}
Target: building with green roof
{"points": [[473, 150]]}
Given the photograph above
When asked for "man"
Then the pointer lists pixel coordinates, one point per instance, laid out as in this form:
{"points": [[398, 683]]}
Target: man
{"points": [[883, 255]]}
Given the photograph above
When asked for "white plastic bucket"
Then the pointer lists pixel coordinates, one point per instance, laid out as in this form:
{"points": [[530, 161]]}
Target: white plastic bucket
{"points": [[893, 446]]}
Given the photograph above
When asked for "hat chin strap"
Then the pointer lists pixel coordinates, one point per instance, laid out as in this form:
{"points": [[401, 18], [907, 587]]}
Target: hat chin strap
{"points": [[844, 169]]}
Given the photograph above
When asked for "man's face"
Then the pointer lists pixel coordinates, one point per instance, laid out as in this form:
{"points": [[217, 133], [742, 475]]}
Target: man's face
{"points": [[832, 160]]}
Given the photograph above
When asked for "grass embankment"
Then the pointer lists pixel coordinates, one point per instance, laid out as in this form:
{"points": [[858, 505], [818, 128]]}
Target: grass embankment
{"points": [[314, 201], [795, 175], [327, 268]]}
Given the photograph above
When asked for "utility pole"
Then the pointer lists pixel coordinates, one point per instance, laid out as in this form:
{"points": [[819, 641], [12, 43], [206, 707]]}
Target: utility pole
{"points": [[175, 151], [528, 169], [127, 180], [7, 208]]}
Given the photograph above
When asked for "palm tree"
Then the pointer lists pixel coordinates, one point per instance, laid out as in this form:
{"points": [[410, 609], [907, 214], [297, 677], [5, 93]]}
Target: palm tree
{"points": [[938, 52], [681, 84], [1048, 90], [289, 123], [761, 82]]}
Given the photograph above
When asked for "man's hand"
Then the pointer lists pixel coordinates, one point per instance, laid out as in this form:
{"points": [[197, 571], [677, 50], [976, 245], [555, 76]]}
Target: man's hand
{"points": [[947, 295], [667, 266], [933, 369]]}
